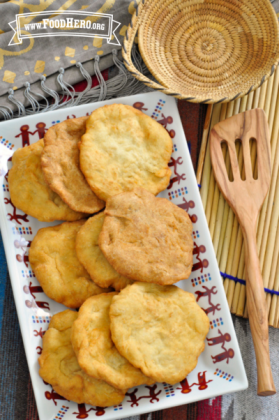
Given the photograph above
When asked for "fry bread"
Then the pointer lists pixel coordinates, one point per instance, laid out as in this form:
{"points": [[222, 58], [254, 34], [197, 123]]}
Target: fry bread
{"points": [[60, 164], [147, 238], [159, 329], [29, 191], [54, 261], [59, 367], [122, 149], [92, 258], [95, 351]]}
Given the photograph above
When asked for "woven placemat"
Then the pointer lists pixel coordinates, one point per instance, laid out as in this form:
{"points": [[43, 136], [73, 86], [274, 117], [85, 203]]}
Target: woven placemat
{"points": [[224, 228]]}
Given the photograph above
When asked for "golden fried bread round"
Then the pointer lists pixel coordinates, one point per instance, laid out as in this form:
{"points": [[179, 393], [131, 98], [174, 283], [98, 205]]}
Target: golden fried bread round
{"points": [[59, 367], [60, 165], [122, 149], [95, 351], [92, 258], [29, 191], [159, 329], [54, 261], [147, 238]]}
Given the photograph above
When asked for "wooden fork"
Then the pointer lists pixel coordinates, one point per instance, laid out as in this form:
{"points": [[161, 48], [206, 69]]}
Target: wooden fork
{"points": [[246, 199]]}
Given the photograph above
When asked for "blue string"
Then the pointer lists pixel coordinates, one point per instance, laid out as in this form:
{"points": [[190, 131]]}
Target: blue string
{"points": [[237, 280], [199, 185]]}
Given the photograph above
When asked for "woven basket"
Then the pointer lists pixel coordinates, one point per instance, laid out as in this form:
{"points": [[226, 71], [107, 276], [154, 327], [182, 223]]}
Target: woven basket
{"points": [[205, 51]]}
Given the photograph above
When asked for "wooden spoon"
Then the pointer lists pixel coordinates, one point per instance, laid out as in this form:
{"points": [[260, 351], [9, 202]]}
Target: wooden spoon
{"points": [[246, 199]]}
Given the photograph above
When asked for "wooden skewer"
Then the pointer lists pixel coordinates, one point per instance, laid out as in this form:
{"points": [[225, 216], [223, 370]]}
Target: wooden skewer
{"points": [[206, 176], [274, 280], [273, 98], [271, 237], [216, 112], [237, 291], [265, 215], [271, 249], [226, 207], [218, 222], [262, 94], [268, 95], [216, 196], [274, 299], [267, 207], [276, 287], [204, 142], [242, 296]]}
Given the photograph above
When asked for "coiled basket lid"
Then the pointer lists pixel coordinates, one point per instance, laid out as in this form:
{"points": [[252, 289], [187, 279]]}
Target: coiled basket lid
{"points": [[204, 50]]}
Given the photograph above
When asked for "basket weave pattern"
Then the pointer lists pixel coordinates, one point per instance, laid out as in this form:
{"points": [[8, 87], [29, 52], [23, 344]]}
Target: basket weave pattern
{"points": [[205, 50]]}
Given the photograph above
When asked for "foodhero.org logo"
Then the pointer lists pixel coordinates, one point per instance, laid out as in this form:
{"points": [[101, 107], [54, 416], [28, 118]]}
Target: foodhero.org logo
{"points": [[64, 23]]}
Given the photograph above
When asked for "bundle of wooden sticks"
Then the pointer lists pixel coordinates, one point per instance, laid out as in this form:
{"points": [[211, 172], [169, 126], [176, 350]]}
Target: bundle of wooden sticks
{"points": [[224, 228]]}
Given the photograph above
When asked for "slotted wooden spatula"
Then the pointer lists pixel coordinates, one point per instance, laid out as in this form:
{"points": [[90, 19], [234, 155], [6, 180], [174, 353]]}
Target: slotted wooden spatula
{"points": [[246, 199]]}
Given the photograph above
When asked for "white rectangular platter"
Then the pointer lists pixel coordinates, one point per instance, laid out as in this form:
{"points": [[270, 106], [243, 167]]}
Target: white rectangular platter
{"points": [[220, 368]]}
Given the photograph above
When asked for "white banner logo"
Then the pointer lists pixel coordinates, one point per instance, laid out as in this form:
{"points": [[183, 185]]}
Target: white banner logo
{"points": [[65, 23]]}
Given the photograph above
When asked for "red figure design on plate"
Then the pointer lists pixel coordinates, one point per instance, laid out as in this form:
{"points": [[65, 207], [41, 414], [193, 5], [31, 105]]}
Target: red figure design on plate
{"points": [[41, 130], [212, 309], [15, 216], [7, 175], [198, 249], [171, 133], [220, 339], [177, 179], [152, 395], [226, 355], [32, 290], [140, 106], [53, 396], [34, 304], [202, 383], [207, 293], [193, 217], [200, 265], [186, 388], [165, 121], [24, 133], [39, 350], [83, 413], [174, 162], [39, 333], [23, 258], [189, 205]]}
